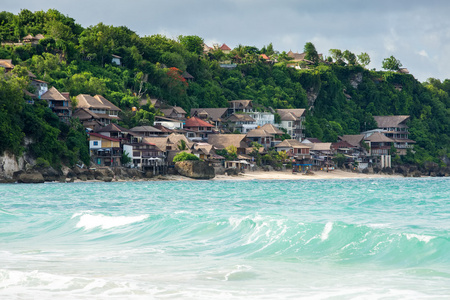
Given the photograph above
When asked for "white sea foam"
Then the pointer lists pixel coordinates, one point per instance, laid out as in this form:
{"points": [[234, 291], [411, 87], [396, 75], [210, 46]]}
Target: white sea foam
{"points": [[89, 221], [422, 238], [326, 231]]}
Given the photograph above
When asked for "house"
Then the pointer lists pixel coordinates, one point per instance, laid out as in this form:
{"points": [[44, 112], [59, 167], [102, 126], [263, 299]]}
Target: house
{"points": [[216, 115], [263, 118], [102, 109], [403, 71], [145, 156], [298, 60], [206, 48], [198, 128], [225, 49], [395, 128], [321, 155], [299, 153], [222, 141], [274, 131], [171, 145], [175, 112], [168, 122], [311, 140], [116, 59], [104, 150], [7, 65], [380, 148], [187, 76], [115, 131], [147, 131], [292, 121], [242, 106], [242, 123], [34, 40], [88, 119], [261, 137], [58, 103]]}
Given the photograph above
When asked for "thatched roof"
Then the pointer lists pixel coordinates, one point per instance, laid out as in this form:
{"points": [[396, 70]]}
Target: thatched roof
{"points": [[6, 63], [391, 121], [145, 129], [240, 103], [112, 128], [259, 132], [296, 112], [378, 137], [240, 118], [54, 95], [320, 146], [291, 143], [270, 128], [221, 141], [215, 114], [353, 139], [96, 102]]}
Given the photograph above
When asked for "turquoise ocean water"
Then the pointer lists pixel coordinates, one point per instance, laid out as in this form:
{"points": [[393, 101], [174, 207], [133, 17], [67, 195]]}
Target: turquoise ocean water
{"points": [[310, 239]]}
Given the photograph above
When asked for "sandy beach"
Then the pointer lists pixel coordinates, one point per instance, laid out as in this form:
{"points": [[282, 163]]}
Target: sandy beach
{"points": [[279, 175]]}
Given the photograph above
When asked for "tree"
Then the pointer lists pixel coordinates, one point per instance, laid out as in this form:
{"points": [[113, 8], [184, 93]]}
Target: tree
{"points": [[391, 64], [349, 57], [364, 59], [192, 43], [311, 52], [337, 55], [182, 156]]}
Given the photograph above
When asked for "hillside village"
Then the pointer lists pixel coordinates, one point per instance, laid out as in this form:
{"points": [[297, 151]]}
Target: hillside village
{"points": [[134, 103], [250, 138]]}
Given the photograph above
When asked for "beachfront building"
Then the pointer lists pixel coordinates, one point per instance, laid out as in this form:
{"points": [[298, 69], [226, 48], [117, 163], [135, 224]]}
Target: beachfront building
{"points": [[379, 148], [396, 128], [104, 150], [145, 156], [222, 141], [261, 137], [198, 129], [297, 152], [262, 118]]}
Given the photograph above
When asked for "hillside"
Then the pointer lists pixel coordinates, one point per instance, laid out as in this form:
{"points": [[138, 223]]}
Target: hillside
{"points": [[342, 96]]}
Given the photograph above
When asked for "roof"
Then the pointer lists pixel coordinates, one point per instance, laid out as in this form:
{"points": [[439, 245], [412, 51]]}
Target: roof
{"points": [[240, 118], [242, 103], [263, 56], [54, 95], [196, 122], [186, 75], [288, 117], [390, 121], [39, 36], [311, 140], [270, 128], [99, 102], [296, 56], [225, 47], [104, 137], [159, 142], [221, 141], [145, 129], [112, 128], [341, 145], [214, 114], [291, 143], [6, 63], [167, 119], [162, 128], [115, 56], [403, 71], [321, 146], [84, 114], [204, 147], [353, 139], [378, 137], [258, 133], [296, 112], [177, 109]]}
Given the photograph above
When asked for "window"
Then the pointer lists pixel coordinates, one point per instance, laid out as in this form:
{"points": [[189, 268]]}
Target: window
{"points": [[95, 143]]}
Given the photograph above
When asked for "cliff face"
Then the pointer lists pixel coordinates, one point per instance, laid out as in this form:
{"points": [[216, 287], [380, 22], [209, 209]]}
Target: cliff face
{"points": [[195, 169], [10, 164]]}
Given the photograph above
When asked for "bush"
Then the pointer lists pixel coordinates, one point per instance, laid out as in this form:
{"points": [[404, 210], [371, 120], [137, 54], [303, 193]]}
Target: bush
{"points": [[42, 163], [182, 156]]}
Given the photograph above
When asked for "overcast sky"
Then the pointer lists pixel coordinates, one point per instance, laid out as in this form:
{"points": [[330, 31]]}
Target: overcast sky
{"points": [[415, 32]]}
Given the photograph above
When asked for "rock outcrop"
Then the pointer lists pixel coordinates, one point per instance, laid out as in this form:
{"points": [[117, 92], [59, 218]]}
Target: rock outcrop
{"points": [[32, 177], [195, 169]]}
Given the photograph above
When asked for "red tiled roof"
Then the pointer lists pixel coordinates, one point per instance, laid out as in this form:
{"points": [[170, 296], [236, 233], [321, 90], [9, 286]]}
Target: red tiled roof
{"points": [[103, 136], [225, 47], [196, 122]]}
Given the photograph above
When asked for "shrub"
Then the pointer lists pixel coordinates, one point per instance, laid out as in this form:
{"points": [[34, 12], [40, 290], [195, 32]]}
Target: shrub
{"points": [[182, 156], [42, 163]]}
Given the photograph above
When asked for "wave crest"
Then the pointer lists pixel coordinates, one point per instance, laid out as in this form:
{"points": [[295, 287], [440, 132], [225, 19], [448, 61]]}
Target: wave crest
{"points": [[90, 221]]}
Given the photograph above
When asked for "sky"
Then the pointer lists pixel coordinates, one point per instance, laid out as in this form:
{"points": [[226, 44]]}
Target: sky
{"points": [[415, 32]]}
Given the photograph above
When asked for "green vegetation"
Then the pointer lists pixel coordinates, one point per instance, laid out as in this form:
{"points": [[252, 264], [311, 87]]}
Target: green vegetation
{"points": [[342, 95], [182, 156]]}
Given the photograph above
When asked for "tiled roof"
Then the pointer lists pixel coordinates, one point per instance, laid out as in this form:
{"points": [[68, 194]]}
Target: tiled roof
{"points": [[103, 137], [225, 47], [196, 122]]}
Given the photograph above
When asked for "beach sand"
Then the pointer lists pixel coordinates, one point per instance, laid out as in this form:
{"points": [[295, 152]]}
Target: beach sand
{"points": [[279, 175]]}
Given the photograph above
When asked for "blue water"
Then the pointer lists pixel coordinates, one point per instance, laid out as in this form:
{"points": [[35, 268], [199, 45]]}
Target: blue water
{"points": [[305, 239]]}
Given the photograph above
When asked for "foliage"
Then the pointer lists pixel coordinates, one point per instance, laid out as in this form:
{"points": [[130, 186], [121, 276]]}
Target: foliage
{"points": [[391, 64], [339, 159], [182, 156]]}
